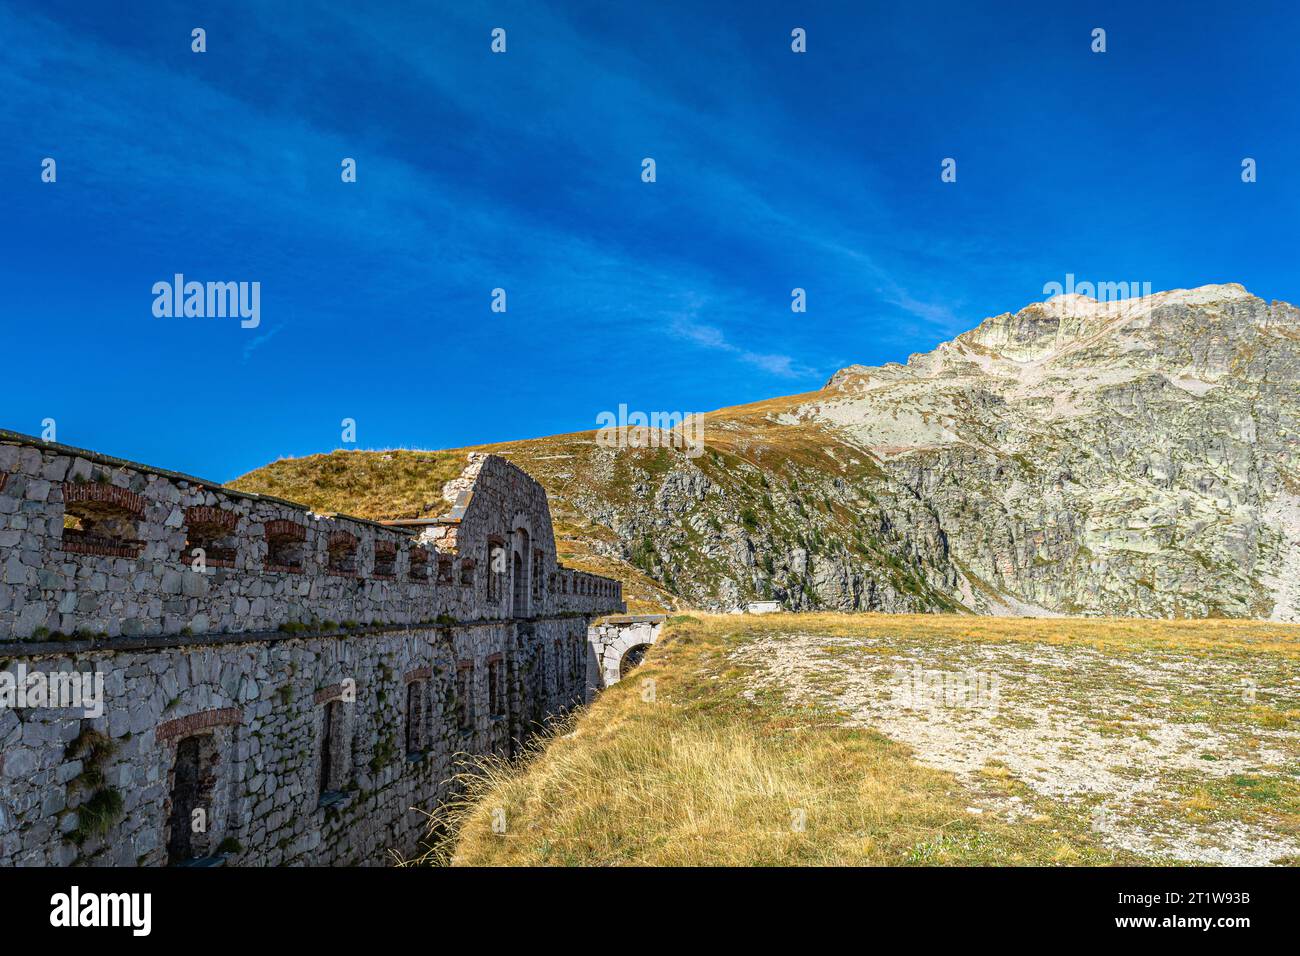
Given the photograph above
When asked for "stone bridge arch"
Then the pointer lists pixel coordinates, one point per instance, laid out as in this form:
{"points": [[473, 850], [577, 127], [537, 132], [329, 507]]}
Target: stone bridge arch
{"points": [[617, 644]]}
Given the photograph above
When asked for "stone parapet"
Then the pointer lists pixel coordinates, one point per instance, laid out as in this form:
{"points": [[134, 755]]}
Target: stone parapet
{"points": [[93, 545]]}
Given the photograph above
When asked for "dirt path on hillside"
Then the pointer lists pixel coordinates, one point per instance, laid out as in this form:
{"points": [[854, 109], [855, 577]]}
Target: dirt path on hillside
{"points": [[1170, 756]]}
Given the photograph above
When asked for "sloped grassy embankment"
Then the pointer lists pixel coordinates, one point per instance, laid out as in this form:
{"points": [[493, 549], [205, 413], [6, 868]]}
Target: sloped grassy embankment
{"points": [[738, 759]]}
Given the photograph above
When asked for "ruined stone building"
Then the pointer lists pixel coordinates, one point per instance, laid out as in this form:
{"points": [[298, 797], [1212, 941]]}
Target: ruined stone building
{"points": [[278, 686]]}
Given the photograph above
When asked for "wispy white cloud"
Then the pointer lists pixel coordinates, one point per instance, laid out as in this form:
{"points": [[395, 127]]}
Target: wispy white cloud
{"points": [[711, 337], [257, 341], [401, 219], [936, 315]]}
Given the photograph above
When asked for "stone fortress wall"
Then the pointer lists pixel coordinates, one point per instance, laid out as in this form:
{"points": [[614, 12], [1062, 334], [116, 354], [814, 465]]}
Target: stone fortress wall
{"points": [[279, 687]]}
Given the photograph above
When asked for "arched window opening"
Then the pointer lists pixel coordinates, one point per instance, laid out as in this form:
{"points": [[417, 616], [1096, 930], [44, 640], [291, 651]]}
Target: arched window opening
{"points": [[416, 723], [342, 553], [521, 588], [385, 560], [102, 520], [444, 570], [418, 569], [496, 568], [536, 576], [285, 546], [333, 750], [521, 573], [631, 658], [465, 696], [496, 685], [212, 530]]}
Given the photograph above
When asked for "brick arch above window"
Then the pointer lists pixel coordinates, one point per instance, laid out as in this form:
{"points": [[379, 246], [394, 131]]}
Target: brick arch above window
{"points": [[194, 723], [206, 516], [283, 528], [344, 690], [101, 520], [93, 491]]}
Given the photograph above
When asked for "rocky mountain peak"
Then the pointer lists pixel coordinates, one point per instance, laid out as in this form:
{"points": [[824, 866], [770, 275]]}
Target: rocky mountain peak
{"points": [[1045, 331], [1093, 456]]}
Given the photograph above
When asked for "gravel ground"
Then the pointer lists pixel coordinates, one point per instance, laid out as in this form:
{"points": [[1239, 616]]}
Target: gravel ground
{"points": [[1154, 746]]}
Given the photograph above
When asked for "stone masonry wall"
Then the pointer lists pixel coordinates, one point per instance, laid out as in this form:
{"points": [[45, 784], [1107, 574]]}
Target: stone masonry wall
{"points": [[262, 703], [140, 580], [233, 691]]}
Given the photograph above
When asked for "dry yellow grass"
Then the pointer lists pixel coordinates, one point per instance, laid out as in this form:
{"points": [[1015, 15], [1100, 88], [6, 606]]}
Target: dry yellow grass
{"points": [[696, 773], [378, 485], [1111, 634]]}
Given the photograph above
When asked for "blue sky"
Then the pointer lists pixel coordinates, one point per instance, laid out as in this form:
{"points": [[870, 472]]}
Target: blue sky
{"points": [[523, 171]]}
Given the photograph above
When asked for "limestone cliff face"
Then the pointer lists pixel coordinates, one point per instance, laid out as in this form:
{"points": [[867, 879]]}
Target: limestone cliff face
{"points": [[1136, 458]]}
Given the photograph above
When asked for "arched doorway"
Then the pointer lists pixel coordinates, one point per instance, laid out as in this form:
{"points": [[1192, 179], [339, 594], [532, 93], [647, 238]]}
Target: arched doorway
{"points": [[520, 574], [521, 589], [193, 778]]}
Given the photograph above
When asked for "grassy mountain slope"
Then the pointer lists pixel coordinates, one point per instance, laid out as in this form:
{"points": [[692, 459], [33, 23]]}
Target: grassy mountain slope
{"points": [[799, 511]]}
